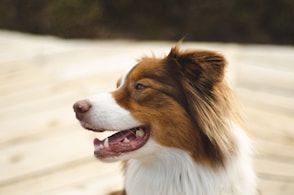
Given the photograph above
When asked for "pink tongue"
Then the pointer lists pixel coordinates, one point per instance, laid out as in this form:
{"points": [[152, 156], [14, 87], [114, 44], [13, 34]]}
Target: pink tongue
{"points": [[121, 142]]}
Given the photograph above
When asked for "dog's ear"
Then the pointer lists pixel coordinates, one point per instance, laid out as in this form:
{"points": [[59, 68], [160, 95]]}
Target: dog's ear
{"points": [[200, 66], [201, 74]]}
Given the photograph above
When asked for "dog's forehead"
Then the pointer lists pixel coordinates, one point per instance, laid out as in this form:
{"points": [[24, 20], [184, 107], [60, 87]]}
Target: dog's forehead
{"points": [[146, 67]]}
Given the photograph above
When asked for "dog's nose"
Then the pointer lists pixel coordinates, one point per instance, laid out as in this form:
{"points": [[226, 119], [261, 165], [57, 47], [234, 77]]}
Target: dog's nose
{"points": [[81, 107]]}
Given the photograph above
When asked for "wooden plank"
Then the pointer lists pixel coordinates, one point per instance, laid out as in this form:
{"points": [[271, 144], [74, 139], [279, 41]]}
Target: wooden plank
{"points": [[23, 48], [102, 184], [37, 105], [84, 177], [35, 122], [270, 56], [83, 87], [279, 168], [265, 78], [273, 101], [268, 122], [275, 187], [276, 175], [17, 159], [25, 82], [265, 147], [280, 135], [30, 93]]}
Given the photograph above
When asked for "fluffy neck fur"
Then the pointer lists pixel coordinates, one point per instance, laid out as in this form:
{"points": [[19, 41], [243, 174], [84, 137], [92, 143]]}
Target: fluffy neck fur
{"points": [[172, 172]]}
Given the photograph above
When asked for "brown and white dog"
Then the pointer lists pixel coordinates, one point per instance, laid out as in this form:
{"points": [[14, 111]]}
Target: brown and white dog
{"points": [[177, 129]]}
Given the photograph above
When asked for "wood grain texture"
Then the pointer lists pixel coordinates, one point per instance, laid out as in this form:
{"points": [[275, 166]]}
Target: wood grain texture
{"points": [[45, 151]]}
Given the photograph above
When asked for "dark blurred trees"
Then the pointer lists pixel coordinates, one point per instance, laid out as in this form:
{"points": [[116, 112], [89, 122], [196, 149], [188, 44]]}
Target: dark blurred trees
{"points": [[262, 21]]}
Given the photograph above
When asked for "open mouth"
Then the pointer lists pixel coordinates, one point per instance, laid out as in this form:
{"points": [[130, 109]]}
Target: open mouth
{"points": [[120, 142]]}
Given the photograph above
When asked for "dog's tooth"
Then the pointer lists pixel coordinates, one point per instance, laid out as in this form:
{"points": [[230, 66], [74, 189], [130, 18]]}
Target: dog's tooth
{"points": [[101, 146], [140, 133], [106, 143], [126, 140]]}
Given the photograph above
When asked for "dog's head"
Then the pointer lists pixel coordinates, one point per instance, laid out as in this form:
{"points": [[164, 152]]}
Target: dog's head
{"points": [[179, 101]]}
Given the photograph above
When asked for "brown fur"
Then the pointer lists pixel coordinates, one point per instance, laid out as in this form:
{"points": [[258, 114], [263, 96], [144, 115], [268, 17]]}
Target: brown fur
{"points": [[186, 88]]}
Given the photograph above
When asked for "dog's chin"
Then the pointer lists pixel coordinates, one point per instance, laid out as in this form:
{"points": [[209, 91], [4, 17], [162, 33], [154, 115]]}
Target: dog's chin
{"points": [[121, 157]]}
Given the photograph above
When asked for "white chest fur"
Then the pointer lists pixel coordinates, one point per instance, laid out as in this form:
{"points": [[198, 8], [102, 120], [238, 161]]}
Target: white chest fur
{"points": [[171, 171]]}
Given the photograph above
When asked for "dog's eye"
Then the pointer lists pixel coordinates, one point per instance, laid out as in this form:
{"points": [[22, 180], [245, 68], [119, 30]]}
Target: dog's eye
{"points": [[140, 86]]}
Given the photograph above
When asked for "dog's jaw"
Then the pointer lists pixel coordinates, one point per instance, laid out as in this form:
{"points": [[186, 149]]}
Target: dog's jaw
{"points": [[115, 146], [106, 115]]}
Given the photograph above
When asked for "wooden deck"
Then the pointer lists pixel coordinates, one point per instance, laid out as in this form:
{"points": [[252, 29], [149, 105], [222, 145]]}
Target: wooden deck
{"points": [[45, 151]]}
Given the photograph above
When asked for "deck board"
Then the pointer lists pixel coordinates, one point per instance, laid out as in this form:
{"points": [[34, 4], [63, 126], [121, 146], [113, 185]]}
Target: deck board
{"points": [[45, 151]]}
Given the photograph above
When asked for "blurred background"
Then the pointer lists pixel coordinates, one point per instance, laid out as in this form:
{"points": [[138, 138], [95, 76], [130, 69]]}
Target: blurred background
{"points": [[55, 52], [244, 21]]}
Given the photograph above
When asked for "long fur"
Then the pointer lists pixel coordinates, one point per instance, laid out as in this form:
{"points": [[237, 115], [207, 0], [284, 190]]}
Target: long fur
{"points": [[226, 168], [197, 143]]}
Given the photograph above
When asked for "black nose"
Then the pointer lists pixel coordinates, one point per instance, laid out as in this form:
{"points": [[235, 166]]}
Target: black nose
{"points": [[81, 107]]}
